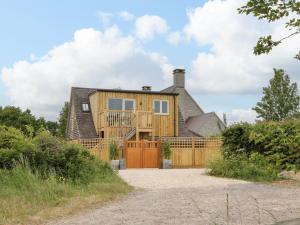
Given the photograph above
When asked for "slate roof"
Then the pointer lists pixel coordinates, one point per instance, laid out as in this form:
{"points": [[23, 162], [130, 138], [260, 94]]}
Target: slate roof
{"points": [[206, 125], [187, 105], [86, 128], [196, 121]]}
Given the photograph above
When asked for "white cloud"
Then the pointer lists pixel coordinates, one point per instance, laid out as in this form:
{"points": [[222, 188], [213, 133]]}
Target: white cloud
{"points": [[230, 66], [105, 59], [148, 25], [127, 16], [241, 115], [174, 38], [105, 18]]}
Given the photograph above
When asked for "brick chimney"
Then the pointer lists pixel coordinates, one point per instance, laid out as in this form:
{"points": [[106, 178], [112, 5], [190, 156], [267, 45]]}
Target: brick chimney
{"points": [[179, 77]]}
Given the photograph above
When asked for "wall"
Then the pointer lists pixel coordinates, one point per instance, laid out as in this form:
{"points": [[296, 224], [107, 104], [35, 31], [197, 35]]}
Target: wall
{"points": [[163, 124]]}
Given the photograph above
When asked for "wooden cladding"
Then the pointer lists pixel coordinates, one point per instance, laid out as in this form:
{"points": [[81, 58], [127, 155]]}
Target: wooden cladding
{"points": [[160, 125]]}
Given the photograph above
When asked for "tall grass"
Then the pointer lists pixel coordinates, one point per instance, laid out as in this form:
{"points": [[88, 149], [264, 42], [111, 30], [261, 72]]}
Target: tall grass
{"points": [[26, 198], [253, 168]]}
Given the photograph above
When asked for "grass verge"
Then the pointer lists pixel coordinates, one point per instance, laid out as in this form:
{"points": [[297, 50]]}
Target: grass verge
{"points": [[254, 168], [25, 198]]}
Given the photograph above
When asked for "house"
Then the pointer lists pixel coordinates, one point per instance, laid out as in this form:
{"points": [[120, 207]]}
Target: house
{"points": [[139, 114]]}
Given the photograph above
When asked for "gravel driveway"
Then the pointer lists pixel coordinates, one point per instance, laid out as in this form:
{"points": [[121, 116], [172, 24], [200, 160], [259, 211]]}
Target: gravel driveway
{"points": [[188, 196]]}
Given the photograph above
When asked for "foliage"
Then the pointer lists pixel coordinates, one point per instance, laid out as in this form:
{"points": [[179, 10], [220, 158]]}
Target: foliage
{"points": [[278, 141], [48, 154], [273, 10], [15, 117], [280, 99], [254, 168], [63, 118], [113, 150], [28, 198], [166, 150]]}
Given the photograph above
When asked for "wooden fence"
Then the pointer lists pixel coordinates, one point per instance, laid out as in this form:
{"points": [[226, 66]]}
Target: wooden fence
{"points": [[100, 146], [193, 152], [187, 152]]}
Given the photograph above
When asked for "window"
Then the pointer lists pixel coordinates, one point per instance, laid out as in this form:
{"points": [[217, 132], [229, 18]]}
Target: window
{"points": [[128, 104], [121, 104], [157, 106], [85, 107], [161, 107], [115, 104]]}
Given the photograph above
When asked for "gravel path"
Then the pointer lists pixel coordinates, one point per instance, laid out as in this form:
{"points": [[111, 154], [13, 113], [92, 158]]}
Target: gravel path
{"points": [[188, 196]]}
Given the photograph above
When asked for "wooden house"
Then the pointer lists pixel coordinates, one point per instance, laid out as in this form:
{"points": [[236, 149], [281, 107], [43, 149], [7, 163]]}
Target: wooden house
{"points": [[139, 114]]}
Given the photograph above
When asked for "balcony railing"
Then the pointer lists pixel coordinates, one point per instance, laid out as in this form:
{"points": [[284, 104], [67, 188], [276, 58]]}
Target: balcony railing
{"points": [[123, 118]]}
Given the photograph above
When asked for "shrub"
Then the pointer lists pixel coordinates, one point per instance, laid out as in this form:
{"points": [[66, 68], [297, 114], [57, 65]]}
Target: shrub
{"points": [[78, 165], [13, 145], [254, 168], [47, 154], [113, 150], [166, 150], [278, 141]]}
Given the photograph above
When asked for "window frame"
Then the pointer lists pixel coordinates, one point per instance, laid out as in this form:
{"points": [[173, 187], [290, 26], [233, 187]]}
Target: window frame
{"points": [[160, 105], [123, 104]]}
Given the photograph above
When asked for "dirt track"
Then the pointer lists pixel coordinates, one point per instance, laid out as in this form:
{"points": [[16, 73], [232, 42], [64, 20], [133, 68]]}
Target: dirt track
{"points": [[188, 196]]}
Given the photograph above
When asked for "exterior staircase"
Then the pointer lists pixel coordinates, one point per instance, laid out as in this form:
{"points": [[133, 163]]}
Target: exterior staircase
{"points": [[130, 134]]}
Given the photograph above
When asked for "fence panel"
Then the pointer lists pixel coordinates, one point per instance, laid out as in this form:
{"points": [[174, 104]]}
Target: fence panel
{"points": [[193, 152], [100, 146], [187, 152]]}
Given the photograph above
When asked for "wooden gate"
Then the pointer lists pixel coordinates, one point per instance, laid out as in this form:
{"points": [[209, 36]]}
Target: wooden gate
{"points": [[142, 154]]}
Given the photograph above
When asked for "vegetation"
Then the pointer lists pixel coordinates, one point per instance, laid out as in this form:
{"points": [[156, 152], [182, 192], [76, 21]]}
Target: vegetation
{"points": [[278, 142], [63, 118], [273, 10], [25, 121], [38, 174], [28, 198], [113, 150], [166, 150], [280, 99], [253, 168]]}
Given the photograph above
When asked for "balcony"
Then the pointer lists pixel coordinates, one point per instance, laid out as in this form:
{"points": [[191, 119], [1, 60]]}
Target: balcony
{"points": [[142, 121]]}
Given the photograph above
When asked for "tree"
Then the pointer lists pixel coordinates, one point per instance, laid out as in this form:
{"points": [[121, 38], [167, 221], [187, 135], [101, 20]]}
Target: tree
{"points": [[280, 99], [273, 10], [14, 117], [63, 118]]}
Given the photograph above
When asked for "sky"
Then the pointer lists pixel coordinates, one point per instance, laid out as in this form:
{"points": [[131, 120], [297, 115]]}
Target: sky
{"points": [[48, 46]]}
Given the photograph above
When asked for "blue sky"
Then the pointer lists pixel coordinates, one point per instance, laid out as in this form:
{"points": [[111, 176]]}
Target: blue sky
{"points": [[222, 73]]}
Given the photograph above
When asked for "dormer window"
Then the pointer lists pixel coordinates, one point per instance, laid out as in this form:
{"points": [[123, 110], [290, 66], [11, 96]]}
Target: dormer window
{"points": [[85, 107]]}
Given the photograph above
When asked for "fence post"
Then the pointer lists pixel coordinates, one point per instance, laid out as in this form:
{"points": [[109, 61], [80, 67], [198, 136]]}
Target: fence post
{"points": [[193, 151]]}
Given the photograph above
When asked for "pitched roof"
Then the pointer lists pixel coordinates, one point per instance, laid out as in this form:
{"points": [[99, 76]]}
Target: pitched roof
{"points": [[208, 124], [187, 105], [85, 122]]}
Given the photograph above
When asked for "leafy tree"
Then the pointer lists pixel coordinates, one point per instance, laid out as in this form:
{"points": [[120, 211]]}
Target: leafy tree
{"points": [[280, 99], [63, 118], [273, 10], [14, 117]]}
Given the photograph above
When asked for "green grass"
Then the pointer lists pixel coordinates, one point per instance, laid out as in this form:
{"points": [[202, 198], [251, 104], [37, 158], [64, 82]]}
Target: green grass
{"points": [[251, 169], [25, 198]]}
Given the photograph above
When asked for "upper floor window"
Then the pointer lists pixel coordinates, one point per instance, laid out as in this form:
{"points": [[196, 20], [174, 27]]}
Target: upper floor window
{"points": [[161, 107], [85, 107], [121, 104]]}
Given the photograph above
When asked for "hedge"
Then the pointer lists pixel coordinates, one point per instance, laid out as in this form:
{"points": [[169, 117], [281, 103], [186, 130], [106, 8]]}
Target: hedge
{"points": [[279, 142]]}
